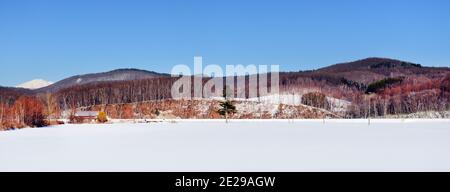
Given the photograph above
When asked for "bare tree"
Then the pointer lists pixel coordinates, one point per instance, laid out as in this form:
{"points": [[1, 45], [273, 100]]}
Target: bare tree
{"points": [[50, 103], [2, 111]]}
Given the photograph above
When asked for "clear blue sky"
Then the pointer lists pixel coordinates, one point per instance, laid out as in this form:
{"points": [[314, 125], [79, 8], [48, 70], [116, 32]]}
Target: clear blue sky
{"points": [[60, 38]]}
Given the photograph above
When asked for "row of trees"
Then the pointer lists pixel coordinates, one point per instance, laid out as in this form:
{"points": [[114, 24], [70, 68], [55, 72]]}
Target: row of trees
{"points": [[25, 111], [115, 92], [405, 98], [158, 89], [316, 99], [383, 84]]}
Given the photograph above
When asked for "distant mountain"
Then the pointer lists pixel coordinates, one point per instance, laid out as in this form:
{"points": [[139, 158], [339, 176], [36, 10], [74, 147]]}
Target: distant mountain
{"points": [[115, 75], [372, 63], [373, 69], [35, 84]]}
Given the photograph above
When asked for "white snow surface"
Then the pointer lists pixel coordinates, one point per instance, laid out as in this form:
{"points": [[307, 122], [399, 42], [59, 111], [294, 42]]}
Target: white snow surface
{"points": [[35, 84], [241, 145]]}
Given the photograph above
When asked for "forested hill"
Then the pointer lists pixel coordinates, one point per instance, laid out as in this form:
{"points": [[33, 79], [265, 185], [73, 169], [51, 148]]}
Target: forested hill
{"points": [[391, 87], [115, 75], [369, 70]]}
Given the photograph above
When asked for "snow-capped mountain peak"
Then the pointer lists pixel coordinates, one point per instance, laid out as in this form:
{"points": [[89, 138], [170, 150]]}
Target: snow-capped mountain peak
{"points": [[35, 84]]}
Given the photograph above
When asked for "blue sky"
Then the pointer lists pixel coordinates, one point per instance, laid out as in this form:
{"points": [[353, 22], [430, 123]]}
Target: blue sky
{"points": [[60, 38]]}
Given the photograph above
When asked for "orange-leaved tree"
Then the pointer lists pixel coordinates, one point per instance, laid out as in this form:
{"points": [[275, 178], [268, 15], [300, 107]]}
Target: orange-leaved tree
{"points": [[102, 117]]}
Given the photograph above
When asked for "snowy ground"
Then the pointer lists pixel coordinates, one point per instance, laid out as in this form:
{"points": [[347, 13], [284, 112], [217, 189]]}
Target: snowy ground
{"points": [[309, 145], [268, 101]]}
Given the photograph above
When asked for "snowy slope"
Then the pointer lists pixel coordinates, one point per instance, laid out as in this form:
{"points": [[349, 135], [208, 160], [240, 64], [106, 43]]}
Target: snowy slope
{"points": [[309, 145], [337, 105], [35, 84]]}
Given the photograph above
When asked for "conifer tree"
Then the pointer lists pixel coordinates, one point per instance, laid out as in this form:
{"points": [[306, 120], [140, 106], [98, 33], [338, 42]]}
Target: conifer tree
{"points": [[227, 107]]}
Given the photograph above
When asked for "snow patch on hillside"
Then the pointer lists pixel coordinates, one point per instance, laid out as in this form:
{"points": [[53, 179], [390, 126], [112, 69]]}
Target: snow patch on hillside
{"points": [[337, 105], [35, 84]]}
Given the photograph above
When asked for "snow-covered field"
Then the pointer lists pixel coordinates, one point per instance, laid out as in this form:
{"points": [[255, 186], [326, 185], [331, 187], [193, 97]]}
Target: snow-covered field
{"points": [[308, 145]]}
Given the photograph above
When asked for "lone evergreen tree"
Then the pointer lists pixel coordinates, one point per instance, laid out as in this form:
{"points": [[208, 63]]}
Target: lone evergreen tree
{"points": [[227, 107]]}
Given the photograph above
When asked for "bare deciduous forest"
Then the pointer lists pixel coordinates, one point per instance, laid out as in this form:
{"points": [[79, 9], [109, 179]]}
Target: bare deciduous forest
{"points": [[374, 87]]}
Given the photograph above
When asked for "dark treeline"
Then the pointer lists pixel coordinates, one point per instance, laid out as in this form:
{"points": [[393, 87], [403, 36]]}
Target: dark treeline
{"points": [[115, 92], [160, 89]]}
